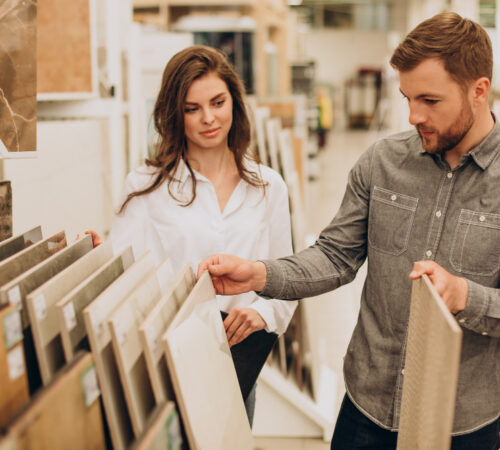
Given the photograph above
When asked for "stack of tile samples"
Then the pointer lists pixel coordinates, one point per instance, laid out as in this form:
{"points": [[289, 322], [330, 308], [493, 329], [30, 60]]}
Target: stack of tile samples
{"points": [[82, 326]]}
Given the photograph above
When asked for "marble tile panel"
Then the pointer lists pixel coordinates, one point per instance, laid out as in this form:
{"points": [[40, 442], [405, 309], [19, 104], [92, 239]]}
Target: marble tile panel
{"points": [[18, 75]]}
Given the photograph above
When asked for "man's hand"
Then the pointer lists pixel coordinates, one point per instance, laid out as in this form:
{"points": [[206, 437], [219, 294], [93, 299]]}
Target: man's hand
{"points": [[232, 275], [241, 323], [452, 289], [96, 239]]}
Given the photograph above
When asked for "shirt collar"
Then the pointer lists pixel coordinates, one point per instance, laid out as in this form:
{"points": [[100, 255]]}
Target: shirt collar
{"points": [[484, 153]]}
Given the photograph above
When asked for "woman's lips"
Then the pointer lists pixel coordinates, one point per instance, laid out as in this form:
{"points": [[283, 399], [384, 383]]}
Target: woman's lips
{"points": [[210, 133]]}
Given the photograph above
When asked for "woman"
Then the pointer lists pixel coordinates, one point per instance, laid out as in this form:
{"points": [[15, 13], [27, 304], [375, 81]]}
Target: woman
{"points": [[202, 193]]}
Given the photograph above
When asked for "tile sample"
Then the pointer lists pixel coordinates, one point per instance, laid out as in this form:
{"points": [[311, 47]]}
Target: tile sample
{"points": [[162, 431], [19, 242], [5, 210], [41, 303], [431, 371], [95, 317], [13, 377], [203, 374], [18, 76], [64, 30], [29, 280], [70, 308], [123, 324], [154, 326], [65, 415], [24, 260]]}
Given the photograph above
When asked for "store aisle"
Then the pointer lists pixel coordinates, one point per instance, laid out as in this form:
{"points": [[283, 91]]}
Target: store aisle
{"points": [[334, 313]]}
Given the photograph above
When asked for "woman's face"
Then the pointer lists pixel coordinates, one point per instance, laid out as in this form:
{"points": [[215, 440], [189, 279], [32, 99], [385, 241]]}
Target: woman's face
{"points": [[208, 113]]}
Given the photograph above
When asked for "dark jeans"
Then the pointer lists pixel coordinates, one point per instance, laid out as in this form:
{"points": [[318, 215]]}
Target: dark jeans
{"points": [[355, 431]]}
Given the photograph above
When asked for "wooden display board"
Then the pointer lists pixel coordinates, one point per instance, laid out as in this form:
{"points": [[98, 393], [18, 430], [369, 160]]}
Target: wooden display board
{"points": [[431, 371], [13, 378], [155, 325], [203, 374], [19, 242], [124, 323], [41, 303], [162, 431], [70, 308], [95, 317], [65, 415], [66, 57]]}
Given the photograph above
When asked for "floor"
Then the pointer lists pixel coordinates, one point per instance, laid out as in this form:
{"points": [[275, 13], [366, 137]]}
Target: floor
{"points": [[335, 312]]}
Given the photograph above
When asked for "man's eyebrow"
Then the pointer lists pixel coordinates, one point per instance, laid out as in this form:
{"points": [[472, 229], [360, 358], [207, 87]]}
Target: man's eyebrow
{"points": [[212, 99], [423, 95]]}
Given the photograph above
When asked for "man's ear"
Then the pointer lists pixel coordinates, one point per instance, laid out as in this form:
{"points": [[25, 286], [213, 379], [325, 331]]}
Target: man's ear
{"points": [[480, 90]]}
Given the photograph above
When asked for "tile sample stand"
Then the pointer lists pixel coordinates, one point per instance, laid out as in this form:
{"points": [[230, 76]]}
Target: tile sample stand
{"points": [[162, 430], [70, 308], [64, 415], [24, 260], [41, 304], [123, 324], [19, 242], [431, 371], [13, 377], [155, 325], [32, 272], [203, 374], [95, 317]]}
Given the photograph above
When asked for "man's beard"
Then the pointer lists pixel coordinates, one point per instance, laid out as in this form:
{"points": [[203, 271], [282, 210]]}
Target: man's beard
{"points": [[452, 136]]}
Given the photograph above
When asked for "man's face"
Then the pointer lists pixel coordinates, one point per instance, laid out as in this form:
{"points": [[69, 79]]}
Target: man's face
{"points": [[439, 108]]}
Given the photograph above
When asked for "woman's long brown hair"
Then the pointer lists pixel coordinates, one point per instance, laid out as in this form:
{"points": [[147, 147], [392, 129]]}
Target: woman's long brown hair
{"points": [[180, 72]]}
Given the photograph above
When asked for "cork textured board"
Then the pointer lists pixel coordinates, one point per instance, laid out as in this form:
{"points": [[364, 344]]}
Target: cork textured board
{"points": [[64, 415], [430, 372]]}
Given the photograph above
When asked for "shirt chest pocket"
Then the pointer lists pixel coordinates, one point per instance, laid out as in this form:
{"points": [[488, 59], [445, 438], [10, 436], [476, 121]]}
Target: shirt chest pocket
{"points": [[390, 220], [476, 243]]}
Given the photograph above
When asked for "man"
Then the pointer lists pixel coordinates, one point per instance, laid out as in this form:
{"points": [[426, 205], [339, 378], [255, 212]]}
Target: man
{"points": [[431, 195]]}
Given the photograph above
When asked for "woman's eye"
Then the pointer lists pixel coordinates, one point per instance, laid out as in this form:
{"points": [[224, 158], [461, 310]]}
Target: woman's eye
{"points": [[190, 110], [219, 102]]}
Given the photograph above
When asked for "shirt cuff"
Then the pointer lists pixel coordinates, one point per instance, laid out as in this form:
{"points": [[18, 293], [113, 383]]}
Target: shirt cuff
{"points": [[476, 306], [265, 309], [275, 280]]}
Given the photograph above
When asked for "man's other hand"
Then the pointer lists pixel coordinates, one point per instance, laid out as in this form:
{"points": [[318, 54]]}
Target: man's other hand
{"points": [[232, 275], [452, 289]]}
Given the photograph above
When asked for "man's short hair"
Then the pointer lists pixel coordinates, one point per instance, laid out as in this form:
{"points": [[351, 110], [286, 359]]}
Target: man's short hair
{"points": [[461, 44]]}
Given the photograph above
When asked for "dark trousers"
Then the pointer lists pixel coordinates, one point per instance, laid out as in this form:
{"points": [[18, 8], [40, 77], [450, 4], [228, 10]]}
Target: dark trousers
{"points": [[355, 431]]}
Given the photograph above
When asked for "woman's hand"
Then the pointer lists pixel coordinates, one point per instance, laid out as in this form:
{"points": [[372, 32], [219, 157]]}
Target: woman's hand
{"points": [[96, 239], [241, 323]]}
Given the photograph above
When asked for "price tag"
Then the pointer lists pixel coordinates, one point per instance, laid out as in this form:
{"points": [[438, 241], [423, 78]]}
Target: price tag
{"points": [[90, 385], [40, 307], [15, 361], [14, 295], [13, 328], [69, 316]]}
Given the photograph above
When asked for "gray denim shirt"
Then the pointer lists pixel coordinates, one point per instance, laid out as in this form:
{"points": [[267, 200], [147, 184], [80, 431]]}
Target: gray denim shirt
{"points": [[403, 205]]}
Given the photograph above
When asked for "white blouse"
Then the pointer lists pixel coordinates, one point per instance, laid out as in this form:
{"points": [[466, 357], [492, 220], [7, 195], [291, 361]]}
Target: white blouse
{"points": [[252, 226]]}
